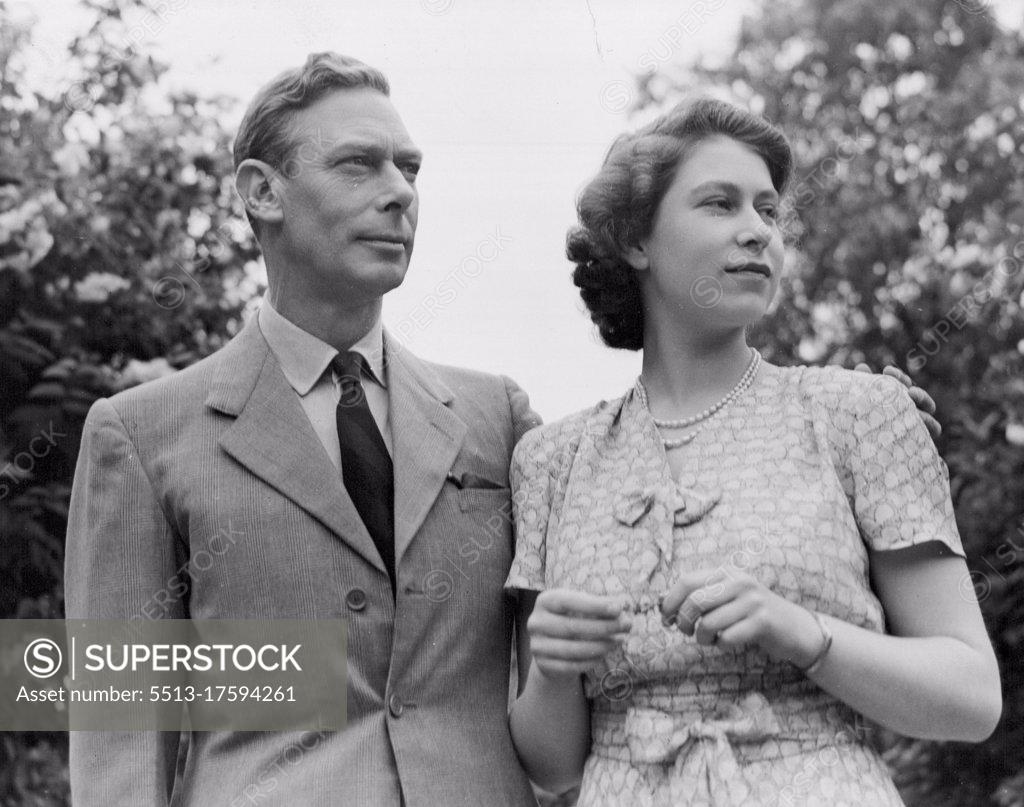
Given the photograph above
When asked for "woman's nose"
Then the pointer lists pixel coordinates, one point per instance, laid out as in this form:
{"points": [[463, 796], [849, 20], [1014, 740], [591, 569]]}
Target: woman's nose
{"points": [[754, 233]]}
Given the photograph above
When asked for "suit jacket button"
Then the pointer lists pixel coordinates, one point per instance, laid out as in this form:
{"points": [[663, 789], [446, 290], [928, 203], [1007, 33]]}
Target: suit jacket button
{"points": [[356, 599], [395, 706]]}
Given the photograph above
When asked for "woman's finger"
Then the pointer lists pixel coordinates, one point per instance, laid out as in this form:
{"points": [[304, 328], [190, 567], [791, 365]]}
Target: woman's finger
{"points": [[709, 627], [686, 585], [738, 635], [569, 650], [571, 627], [702, 601], [580, 603]]}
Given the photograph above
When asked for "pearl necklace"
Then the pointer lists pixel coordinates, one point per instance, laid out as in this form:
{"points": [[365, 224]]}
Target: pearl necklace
{"points": [[703, 417]]}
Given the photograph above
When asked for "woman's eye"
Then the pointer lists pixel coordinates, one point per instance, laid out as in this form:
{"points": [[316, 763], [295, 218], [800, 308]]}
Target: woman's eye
{"points": [[771, 212], [721, 204]]}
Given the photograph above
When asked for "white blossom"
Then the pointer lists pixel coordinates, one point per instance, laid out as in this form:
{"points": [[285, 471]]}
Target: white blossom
{"points": [[98, 286], [137, 372], [71, 158], [1015, 434], [38, 242], [25, 227]]}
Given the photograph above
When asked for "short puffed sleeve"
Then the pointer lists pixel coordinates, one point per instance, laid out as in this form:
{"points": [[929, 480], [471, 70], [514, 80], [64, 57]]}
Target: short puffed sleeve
{"points": [[900, 486], [530, 477], [541, 464]]}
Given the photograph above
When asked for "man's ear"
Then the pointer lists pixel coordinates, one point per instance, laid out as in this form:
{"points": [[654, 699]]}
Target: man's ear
{"points": [[256, 183], [636, 256]]}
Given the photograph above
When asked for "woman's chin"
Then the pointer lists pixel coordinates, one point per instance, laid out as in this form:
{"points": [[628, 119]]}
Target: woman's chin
{"points": [[731, 315]]}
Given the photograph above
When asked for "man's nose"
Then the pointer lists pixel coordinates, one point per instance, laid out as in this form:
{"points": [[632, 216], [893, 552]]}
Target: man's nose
{"points": [[398, 192]]}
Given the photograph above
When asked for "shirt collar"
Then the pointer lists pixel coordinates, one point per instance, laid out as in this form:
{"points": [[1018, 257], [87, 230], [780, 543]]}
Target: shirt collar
{"points": [[304, 357]]}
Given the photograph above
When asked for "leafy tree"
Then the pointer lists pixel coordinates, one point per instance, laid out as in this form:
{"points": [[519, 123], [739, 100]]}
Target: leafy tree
{"points": [[907, 221], [123, 256]]}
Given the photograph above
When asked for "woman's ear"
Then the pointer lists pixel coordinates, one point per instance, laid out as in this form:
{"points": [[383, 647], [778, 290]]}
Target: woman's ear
{"points": [[256, 183], [636, 256]]}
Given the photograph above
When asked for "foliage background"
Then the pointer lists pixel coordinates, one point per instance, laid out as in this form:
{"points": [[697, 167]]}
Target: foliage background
{"points": [[907, 211], [123, 256]]}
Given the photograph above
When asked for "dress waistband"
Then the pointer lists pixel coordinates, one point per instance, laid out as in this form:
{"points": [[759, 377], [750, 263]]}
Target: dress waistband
{"points": [[748, 725]]}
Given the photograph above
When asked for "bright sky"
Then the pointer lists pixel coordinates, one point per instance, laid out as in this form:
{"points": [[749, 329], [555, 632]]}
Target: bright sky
{"points": [[514, 105]]}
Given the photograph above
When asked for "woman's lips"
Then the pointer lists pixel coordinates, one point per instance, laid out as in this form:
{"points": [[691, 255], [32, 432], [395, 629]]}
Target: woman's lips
{"points": [[750, 268]]}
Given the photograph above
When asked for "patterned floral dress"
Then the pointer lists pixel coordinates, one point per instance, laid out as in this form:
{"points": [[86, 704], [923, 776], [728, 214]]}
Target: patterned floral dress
{"points": [[792, 483]]}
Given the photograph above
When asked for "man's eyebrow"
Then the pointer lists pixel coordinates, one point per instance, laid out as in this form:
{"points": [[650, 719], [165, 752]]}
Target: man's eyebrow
{"points": [[355, 146], [409, 154], [373, 148]]}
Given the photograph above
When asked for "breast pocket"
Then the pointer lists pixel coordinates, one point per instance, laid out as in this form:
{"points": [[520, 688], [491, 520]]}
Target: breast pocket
{"points": [[495, 500], [485, 536]]}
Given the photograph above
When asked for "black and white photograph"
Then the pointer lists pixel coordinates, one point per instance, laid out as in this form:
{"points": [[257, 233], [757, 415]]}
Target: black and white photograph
{"points": [[463, 403]]}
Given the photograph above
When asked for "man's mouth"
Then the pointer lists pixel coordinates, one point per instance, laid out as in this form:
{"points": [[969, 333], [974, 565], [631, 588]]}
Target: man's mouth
{"points": [[384, 238], [750, 268]]}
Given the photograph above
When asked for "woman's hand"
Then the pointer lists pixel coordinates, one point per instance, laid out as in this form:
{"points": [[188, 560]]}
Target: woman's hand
{"points": [[735, 610], [571, 631], [567, 633]]}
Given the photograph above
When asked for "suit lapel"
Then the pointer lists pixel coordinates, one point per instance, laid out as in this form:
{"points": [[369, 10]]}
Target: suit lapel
{"points": [[272, 437], [427, 437]]}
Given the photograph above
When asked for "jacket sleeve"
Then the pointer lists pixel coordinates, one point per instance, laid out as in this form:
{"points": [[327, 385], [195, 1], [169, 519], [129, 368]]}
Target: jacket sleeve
{"points": [[119, 564], [523, 417]]}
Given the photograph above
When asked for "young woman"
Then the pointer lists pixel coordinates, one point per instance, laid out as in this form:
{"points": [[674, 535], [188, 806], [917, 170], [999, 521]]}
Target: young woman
{"points": [[731, 562]]}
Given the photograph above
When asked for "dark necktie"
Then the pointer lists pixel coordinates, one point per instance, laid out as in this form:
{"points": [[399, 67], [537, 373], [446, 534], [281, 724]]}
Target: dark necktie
{"points": [[366, 466]]}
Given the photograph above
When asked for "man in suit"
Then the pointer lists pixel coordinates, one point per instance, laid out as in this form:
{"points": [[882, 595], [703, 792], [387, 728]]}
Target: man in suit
{"points": [[321, 472]]}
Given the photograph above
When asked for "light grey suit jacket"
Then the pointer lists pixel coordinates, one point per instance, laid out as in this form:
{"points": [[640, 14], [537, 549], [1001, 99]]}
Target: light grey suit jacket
{"points": [[169, 468]]}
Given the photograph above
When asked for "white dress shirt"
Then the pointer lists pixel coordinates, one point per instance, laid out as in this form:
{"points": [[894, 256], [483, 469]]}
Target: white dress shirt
{"points": [[306, 361]]}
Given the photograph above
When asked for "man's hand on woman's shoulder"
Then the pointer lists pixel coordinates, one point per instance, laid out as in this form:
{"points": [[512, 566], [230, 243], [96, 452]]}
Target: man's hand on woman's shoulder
{"points": [[925, 403]]}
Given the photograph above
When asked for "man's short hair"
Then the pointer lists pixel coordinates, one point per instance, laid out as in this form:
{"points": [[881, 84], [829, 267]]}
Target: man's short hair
{"points": [[264, 131]]}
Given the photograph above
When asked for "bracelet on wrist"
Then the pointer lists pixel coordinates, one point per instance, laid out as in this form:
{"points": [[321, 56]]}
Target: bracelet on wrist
{"points": [[826, 645]]}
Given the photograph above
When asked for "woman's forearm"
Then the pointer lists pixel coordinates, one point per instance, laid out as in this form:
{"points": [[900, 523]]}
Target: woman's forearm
{"points": [[550, 724], [930, 687], [933, 676]]}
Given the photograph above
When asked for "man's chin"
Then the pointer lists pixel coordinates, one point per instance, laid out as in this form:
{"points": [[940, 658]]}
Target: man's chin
{"points": [[393, 277], [378, 281]]}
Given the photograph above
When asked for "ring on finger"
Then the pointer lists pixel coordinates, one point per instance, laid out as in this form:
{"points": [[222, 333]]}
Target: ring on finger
{"points": [[714, 638]]}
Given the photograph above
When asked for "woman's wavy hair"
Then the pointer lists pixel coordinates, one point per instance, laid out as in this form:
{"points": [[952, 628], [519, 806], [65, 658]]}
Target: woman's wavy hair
{"points": [[264, 133], [616, 209]]}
